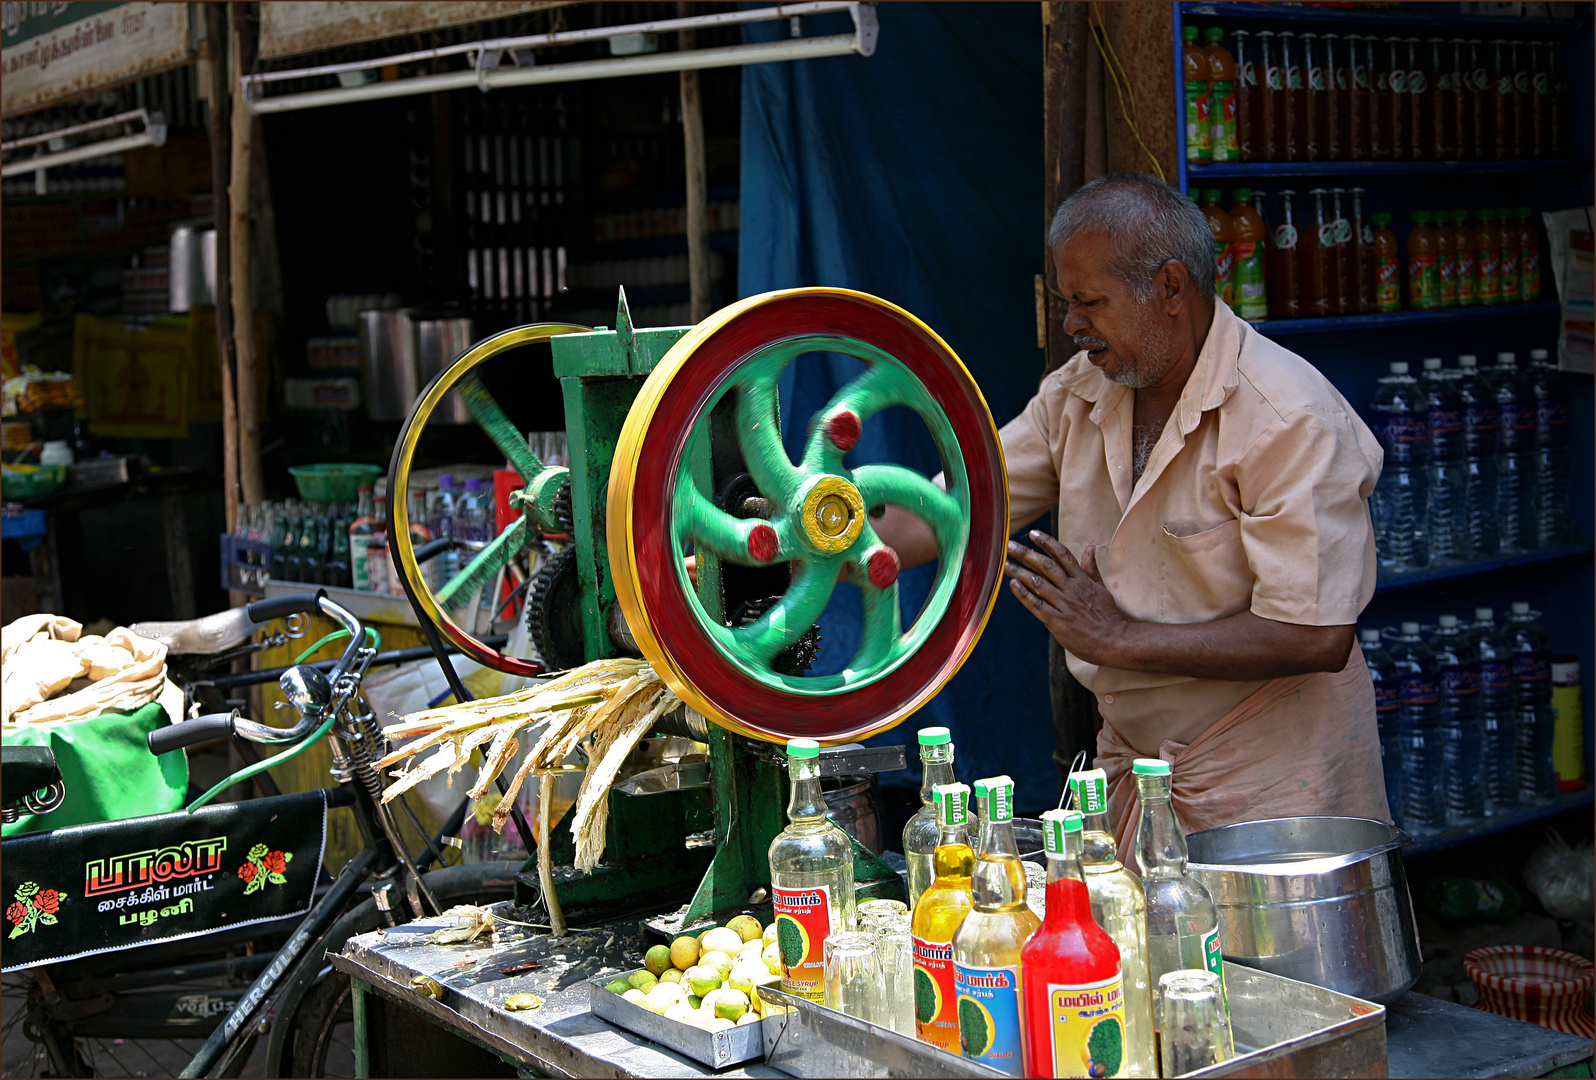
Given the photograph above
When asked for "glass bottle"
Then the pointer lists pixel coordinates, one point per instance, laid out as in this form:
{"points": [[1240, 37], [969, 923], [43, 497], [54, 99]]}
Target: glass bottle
{"points": [[937, 916], [379, 568], [1284, 264], [920, 834], [338, 558], [360, 531], [986, 949], [309, 540], [811, 877], [1119, 906], [1509, 263], [1073, 999], [1182, 923], [280, 535], [1362, 256]]}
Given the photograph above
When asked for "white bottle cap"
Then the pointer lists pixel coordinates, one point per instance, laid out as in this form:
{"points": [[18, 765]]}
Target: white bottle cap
{"points": [[1540, 354], [1448, 621], [1399, 367], [1369, 637], [1467, 360], [1521, 607], [1483, 614], [1508, 358], [1432, 363], [1410, 628]]}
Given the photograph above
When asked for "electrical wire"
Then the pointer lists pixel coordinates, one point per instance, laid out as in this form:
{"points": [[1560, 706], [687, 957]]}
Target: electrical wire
{"points": [[1122, 85]]}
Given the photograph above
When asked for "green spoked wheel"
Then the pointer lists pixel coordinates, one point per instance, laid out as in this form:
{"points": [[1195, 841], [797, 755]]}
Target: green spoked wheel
{"points": [[818, 519], [485, 565]]}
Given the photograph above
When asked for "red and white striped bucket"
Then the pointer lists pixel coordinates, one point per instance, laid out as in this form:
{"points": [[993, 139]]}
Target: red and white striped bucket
{"points": [[1548, 987]]}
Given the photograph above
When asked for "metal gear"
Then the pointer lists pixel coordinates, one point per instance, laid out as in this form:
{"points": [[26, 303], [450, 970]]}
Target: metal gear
{"points": [[798, 658], [552, 611], [562, 509]]}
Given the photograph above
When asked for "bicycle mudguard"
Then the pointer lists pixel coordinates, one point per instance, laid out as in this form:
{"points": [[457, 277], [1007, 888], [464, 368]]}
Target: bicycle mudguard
{"points": [[91, 889]]}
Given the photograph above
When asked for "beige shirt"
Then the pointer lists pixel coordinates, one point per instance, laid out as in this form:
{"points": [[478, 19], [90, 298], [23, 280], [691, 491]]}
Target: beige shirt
{"points": [[1255, 498]]}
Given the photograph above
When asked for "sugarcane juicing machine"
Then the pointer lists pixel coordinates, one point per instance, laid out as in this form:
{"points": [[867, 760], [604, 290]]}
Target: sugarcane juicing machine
{"points": [[703, 547]]}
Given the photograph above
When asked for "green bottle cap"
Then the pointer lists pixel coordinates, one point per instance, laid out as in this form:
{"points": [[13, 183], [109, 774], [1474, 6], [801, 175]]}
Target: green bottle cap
{"points": [[996, 795], [1210, 195], [952, 803], [1460, 217], [1090, 788], [803, 748], [1144, 766], [1055, 823], [1189, 33], [1381, 219], [1420, 217], [979, 791], [1213, 33], [1486, 215], [1243, 195], [1522, 213], [935, 736], [1504, 213]]}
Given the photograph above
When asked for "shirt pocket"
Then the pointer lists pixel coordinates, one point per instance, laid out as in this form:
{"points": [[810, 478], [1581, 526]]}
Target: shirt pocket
{"points": [[1205, 575]]}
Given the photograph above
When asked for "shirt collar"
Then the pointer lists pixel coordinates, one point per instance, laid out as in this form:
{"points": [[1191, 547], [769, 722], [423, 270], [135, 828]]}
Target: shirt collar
{"points": [[1212, 379]]}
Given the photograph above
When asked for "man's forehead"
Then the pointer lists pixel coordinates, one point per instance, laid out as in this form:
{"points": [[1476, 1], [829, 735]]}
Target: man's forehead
{"points": [[1083, 262]]}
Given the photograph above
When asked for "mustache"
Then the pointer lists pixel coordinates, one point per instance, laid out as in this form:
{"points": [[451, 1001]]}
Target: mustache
{"points": [[1084, 342]]}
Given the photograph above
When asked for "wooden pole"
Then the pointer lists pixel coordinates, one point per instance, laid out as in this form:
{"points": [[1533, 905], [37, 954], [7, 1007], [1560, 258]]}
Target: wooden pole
{"points": [[697, 189], [216, 41], [251, 482]]}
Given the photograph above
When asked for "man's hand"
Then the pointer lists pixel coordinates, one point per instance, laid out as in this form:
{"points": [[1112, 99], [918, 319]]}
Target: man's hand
{"points": [[1069, 597]]}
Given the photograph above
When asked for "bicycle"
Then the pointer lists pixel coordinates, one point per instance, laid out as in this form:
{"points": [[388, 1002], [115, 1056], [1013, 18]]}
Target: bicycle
{"points": [[90, 993]]}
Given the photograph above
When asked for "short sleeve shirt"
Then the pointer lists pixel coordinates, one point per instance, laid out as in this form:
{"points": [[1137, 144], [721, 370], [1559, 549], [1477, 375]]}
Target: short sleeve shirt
{"points": [[1255, 498]]}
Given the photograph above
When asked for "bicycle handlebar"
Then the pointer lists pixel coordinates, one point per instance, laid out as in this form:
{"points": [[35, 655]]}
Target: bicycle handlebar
{"points": [[275, 608], [191, 732]]}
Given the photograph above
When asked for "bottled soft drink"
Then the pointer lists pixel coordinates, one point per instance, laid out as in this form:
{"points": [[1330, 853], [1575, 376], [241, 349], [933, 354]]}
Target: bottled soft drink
{"points": [[360, 531], [1387, 716], [920, 833], [1532, 664], [1460, 721], [380, 577], [1553, 518], [1479, 457], [280, 534], [811, 877], [1423, 745], [1399, 505], [1498, 718], [1515, 436], [1446, 477], [338, 571], [309, 542], [937, 916]]}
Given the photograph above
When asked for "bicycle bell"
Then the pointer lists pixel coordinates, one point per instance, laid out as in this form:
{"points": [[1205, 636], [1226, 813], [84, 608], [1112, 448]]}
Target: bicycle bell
{"points": [[306, 689]]}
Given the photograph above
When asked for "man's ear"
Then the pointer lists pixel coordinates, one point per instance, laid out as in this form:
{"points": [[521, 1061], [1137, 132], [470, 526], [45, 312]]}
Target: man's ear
{"points": [[1172, 284]]}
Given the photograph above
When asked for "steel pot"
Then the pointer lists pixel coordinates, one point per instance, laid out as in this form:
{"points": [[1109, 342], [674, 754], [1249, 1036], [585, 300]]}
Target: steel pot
{"points": [[442, 335], [390, 377], [1320, 899]]}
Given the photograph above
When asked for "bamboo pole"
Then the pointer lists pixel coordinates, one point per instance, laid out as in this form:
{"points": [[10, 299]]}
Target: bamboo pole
{"points": [[697, 191], [216, 41], [251, 482]]}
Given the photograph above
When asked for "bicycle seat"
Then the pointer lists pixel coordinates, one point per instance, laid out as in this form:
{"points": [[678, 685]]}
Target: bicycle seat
{"points": [[207, 636], [26, 769]]}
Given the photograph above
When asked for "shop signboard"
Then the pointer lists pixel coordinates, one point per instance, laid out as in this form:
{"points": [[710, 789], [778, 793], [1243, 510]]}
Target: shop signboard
{"points": [[291, 27], [55, 51]]}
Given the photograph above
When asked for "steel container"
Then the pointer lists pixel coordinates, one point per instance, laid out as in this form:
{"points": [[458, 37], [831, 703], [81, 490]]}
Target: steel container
{"points": [[442, 334], [853, 803], [390, 377], [191, 267], [1323, 900]]}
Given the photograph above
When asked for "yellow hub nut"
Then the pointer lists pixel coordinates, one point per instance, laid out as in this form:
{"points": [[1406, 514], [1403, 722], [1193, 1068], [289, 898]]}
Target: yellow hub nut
{"points": [[833, 514]]}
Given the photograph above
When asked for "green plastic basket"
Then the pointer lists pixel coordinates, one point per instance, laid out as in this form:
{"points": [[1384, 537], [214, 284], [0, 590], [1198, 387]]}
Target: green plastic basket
{"points": [[337, 482]]}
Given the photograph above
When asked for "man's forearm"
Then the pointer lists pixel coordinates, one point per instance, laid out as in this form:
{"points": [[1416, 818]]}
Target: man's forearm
{"points": [[906, 534], [1242, 647]]}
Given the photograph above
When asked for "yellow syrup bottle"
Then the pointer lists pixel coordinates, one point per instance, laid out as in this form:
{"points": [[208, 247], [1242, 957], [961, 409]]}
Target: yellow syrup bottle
{"points": [[937, 918]]}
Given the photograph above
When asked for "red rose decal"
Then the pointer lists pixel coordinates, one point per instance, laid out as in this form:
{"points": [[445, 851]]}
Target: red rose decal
{"points": [[17, 912], [247, 872], [48, 901], [275, 863]]}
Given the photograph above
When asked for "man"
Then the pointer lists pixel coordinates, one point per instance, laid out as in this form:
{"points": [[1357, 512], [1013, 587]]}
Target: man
{"points": [[1215, 545]]}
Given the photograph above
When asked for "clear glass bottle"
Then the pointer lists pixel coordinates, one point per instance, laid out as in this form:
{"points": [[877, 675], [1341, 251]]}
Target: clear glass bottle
{"points": [[1119, 906], [811, 877], [920, 834], [986, 949], [1073, 1000], [1182, 923], [942, 908]]}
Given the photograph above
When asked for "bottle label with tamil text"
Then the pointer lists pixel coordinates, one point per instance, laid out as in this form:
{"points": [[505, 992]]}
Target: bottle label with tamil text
{"points": [[1214, 961], [1087, 1025], [989, 1016], [803, 922], [936, 1013]]}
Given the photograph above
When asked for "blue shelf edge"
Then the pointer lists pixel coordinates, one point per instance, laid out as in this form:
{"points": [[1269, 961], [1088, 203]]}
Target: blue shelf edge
{"points": [[1484, 566], [1374, 168], [1412, 16], [1274, 327], [1561, 803]]}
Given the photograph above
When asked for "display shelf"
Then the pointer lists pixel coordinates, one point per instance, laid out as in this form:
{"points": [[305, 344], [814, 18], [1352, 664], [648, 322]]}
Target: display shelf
{"points": [[1387, 319], [1427, 14], [1483, 566], [1241, 169], [1561, 803]]}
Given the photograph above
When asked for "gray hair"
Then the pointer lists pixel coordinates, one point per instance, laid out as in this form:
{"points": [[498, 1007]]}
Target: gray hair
{"points": [[1148, 223]]}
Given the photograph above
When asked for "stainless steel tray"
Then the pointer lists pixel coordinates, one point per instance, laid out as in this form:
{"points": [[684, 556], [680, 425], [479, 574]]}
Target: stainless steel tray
{"points": [[812, 1040], [1288, 1028], [716, 1049]]}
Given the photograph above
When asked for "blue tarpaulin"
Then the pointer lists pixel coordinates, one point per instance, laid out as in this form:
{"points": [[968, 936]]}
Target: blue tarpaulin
{"points": [[916, 175]]}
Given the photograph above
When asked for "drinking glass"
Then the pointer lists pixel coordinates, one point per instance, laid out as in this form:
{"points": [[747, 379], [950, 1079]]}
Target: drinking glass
{"points": [[889, 921], [1196, 1028], [854, 980]]}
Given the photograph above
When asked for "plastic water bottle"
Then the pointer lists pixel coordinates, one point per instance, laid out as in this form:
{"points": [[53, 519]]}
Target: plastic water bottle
{"points": [[1460, 721], [1553, 518], [1479, 456], [1399, 505], [1423, 743], [440, 521], [1498, 720], [1532, 662], [1387, 716], [1515, 437], [470, 520], [1445, 475]]}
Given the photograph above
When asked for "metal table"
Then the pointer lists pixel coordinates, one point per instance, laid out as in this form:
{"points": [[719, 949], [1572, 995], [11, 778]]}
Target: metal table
{"points": [[1424, 1036]]}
